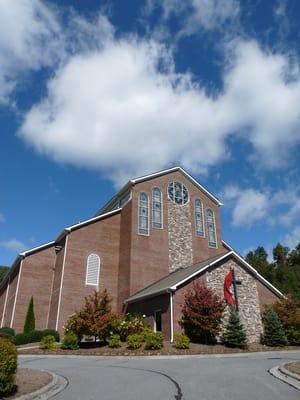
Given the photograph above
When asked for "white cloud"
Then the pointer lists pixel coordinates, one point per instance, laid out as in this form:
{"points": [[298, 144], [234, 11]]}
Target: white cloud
{"points": [[196, 15], [123, 109], [250, 205], [292, 238], [30, 38], [2, 217], [13, 244]]}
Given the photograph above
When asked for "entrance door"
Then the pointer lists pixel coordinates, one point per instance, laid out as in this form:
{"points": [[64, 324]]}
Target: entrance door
{"points": [[157, 319]]}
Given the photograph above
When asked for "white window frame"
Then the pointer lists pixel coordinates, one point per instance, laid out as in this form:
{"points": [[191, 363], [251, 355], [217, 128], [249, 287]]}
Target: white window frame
{"points": [[139, 215], [196, 219], [215, 231], [161, 209], [182, 189], [87, 270]]}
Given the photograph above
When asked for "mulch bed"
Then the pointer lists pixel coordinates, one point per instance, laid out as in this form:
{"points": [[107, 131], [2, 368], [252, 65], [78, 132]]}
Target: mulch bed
{"points": [[169, 349], [29, 380], [294, 367]]}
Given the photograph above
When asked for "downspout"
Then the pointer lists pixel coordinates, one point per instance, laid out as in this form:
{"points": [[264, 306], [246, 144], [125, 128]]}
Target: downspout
{"points": [[172, 317]]}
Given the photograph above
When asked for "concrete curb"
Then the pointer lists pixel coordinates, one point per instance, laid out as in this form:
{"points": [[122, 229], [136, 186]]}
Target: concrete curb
{"points": [[54, 387], [158, 357], [280, 372]]}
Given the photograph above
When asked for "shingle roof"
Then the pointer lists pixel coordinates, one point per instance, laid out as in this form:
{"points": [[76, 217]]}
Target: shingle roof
{"points": [[168, 282]]}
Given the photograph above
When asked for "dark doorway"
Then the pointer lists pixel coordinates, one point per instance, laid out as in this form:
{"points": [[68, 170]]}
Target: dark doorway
{"points": [[157, 316]]}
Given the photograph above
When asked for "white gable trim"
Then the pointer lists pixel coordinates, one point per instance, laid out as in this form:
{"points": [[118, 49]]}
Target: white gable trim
{"points": [[167, 171], [34, 249]]}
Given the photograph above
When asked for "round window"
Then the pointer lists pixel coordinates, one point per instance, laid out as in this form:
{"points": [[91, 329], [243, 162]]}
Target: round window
{"points": [[178, 193]]}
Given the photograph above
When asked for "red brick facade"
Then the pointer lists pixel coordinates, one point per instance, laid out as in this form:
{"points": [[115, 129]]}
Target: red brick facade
{"points": [[55, 274]]}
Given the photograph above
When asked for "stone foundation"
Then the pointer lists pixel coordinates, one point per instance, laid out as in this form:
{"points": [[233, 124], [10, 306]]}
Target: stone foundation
{"points": [[248, 301]]}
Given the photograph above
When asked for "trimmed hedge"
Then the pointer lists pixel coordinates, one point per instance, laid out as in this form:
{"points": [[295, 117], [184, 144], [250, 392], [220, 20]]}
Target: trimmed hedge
{"points": [[8, 367], [114, 341], [135, 341], [34, 336], [70, 341], [181, 341], [154, 341], [7, 331], [48, 343]]}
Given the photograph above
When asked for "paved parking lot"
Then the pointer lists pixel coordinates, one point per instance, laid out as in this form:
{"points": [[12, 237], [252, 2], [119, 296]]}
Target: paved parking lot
{"points": [[207, 378]]}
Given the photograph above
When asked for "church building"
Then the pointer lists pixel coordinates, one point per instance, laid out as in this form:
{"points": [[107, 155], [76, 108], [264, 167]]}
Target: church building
{"points": [[146, 246]]}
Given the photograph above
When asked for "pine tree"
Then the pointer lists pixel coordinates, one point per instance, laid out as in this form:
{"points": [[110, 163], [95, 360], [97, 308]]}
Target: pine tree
{"points": [[234, 334], [29, 325], [273, 330]]}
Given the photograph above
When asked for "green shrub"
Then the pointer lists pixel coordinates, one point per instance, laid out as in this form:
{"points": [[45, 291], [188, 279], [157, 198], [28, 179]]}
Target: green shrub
{"points": [[29, 325], [114, 341], [34, 336], [8, 367], [48, 343], [274, 334], [181, 341], [7, 331], [234, 334], [135, 341], [132, 323], [70, 341], [154, 340]]}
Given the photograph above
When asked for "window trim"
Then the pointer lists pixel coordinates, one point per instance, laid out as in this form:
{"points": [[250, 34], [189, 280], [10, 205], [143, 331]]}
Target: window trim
{"points": [[203, 222], [161, 209], [148, 216], [99, 268], [215, 230]]}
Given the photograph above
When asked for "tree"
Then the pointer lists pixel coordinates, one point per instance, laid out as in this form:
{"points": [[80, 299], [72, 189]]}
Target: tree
{"points": [[274, 334], [95, 318], [202, 313], [29, 325], [3, 272], [288, 311], [258, 258], [234, 334]]}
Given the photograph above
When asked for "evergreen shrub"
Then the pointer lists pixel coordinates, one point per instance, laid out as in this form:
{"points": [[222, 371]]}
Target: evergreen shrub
{"points": [[7, 331], [274, 334], [29, 325], [181, 341], [34, 336], [70, 341], [114, 341], [48, 343], [135, 341], [8, 367], [154, 341], [234, 334]]}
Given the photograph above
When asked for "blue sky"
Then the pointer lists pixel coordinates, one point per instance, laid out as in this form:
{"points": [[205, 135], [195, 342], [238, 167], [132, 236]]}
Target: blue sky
{"points": [[93, 93]]}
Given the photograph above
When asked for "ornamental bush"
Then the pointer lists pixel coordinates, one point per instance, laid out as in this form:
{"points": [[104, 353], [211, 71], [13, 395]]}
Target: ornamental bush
{"points": [[202, 314], [114, 341], [29, 325], [132, 323], [234, 334], [181, 341], [8, 367], [135, 341], [288, 311], [154, 341], [70, 341], [48, 343], [274, 334]]}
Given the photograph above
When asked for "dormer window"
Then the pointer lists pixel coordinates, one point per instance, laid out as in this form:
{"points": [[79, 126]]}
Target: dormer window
{"points": [[178, 193]]}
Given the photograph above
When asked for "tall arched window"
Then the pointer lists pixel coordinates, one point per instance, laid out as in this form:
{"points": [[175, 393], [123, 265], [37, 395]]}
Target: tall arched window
{"points": [[157, 216], [211, 228], [92, 270], [199, 218], [143, 214]]}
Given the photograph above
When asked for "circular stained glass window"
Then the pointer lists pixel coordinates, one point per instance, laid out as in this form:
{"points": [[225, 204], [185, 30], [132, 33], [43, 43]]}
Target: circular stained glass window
{"points": [[178, 193]]}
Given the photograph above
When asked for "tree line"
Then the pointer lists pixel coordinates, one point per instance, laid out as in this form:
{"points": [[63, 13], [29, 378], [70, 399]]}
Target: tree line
{"points": [[283, 272]]}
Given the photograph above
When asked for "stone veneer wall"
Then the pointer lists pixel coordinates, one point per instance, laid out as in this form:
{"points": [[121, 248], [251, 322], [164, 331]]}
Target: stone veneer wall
{"points": [[180, 236], [249, 310]]}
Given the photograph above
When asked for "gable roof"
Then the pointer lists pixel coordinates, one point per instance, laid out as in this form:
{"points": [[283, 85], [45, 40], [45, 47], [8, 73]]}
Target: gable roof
{"points": [[157, 174], [173, 281]]}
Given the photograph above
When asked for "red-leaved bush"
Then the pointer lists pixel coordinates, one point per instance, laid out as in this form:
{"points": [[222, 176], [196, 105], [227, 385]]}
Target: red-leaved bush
{"points": [[202, 314]]}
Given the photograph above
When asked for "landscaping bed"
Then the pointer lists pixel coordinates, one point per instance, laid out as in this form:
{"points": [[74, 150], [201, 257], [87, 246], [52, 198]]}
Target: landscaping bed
{"points": [[168, 349], [29, 380], [293, 367]]}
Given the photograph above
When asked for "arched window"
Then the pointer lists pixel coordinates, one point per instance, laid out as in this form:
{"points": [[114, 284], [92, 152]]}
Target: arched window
{"points": [[143, 214], [157, 216], [211, 228], [199, 218], [92, 270]]}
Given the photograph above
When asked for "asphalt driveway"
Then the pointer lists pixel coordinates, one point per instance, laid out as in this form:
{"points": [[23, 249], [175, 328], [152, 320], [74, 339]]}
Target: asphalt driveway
{"points": [[207, 378]]}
